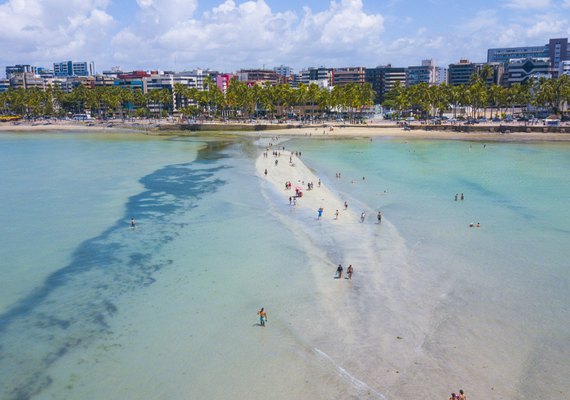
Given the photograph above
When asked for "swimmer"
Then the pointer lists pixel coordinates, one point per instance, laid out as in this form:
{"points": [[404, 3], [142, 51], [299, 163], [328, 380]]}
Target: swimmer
{"points": [[471, 225], [478, 225]]}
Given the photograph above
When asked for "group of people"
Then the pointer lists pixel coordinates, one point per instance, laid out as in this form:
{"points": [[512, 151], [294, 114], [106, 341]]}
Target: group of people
{"points": [[460, 396], [462, 197], [378, 216], [340, 270]]}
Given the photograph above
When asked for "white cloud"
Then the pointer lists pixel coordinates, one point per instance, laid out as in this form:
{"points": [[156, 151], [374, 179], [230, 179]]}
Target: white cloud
{"points": [[172, 34], [46, 31], [528, 4], [566, 4], [547, 26], [156, 14], [250, 33]]}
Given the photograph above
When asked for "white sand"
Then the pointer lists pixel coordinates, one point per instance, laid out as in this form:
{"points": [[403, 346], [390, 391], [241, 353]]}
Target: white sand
{"points": [[370, 131], [299, 175], [338, 131]]}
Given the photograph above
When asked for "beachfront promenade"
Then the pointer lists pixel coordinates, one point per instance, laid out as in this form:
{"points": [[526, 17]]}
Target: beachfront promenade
{"points": [[511, 131]]}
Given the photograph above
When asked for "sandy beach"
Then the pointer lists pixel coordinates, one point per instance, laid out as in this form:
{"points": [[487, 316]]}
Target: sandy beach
{"points": [[290, 168], [330, 132]]}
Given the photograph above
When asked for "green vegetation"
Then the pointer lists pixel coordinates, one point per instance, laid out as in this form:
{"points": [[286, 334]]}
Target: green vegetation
{"points": [[426, 101], [307, 102]]}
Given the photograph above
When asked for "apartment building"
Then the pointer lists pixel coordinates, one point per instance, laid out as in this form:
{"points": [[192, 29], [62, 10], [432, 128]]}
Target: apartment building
{"points": [[383, 79], [344, 76]]}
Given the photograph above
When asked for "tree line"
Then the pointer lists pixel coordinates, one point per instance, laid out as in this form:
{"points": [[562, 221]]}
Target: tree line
{"points": [[305, 102], [240, 101], [478, 97]]}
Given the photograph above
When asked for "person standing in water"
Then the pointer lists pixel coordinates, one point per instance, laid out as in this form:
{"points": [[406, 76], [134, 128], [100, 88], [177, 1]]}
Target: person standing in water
{"points": [[362, 216], [339, 272], [336, 214], [346, 205], [133, 223], [379, 216], [349, 271], [262, 316]]}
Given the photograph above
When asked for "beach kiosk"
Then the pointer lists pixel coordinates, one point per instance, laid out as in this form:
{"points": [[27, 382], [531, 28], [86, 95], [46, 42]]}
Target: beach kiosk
{"points": [[552, 120]]}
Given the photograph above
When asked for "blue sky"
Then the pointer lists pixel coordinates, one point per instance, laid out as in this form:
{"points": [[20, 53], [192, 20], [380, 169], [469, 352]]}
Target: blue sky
{"points": [[230, 34]]}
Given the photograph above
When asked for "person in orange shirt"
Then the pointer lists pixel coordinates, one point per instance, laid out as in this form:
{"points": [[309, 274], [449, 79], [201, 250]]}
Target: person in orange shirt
{"points": [[262, 316]]}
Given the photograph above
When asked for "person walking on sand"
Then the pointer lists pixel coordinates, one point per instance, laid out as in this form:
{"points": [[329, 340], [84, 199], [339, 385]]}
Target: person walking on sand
{"points": [[461, 395], [362, 216], [453, 397], [379, 216], [320, 213], [339, 272], [265, 172], [262, 316], [346, 205], [336, 214], [349, 271]]}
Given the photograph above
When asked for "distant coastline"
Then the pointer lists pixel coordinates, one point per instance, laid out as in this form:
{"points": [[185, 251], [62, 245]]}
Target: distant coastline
{"points": [[491, 132]]}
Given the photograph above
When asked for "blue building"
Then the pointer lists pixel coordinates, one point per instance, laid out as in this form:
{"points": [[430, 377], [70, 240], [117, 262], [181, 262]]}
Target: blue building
{"points": [[71, 68], [556, 50]]}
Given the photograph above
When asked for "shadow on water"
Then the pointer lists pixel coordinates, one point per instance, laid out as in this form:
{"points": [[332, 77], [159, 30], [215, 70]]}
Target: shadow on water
{"points": [[73, 304]]}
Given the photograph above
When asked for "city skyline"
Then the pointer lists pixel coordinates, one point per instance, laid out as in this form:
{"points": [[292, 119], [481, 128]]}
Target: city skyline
{"points": [[228, 35]]}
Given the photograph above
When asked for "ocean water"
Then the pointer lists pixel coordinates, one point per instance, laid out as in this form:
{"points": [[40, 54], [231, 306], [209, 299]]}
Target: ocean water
{"points": [[91, 308]]}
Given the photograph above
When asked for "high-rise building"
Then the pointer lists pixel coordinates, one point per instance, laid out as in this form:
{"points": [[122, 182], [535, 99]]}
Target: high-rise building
{"points": [[322, 76], [71, 68], [520, 71], [461, 72], [383, 79], [428, 73], [556, 50], [258, 75], [505, 54], [223, 82], [344, 76], [26, 80], [283, 70], [11, 70]]}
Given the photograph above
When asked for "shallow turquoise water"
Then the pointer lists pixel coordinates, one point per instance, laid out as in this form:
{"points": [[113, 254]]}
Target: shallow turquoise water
{"points": [[94, 309]]}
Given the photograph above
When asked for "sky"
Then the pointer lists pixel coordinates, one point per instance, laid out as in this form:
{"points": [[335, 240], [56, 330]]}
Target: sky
{"points": [[227, 35]]}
